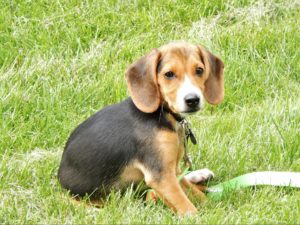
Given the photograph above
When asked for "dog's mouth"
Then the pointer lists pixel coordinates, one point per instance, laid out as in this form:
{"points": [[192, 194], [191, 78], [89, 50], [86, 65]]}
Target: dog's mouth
{"points": [[191, 111], [182, 110]]}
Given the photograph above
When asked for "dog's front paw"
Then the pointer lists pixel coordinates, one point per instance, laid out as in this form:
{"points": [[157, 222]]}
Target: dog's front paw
{"points": [[187, 212], [199, 176]]}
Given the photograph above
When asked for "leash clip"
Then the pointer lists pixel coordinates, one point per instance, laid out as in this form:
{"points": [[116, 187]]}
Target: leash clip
{"points": [[188, 131], [188, 134]]}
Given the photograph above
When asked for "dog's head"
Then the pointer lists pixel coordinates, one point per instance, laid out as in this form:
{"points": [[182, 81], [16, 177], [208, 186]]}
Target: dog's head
{"points": [[179, 75]]}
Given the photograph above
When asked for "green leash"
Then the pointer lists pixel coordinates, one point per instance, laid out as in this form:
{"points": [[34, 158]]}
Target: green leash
{"points": [[281, 179], [216, 192]]}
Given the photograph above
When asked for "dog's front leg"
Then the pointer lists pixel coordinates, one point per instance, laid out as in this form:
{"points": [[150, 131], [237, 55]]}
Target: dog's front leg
{"points": [[193, 189], [170, 191]]}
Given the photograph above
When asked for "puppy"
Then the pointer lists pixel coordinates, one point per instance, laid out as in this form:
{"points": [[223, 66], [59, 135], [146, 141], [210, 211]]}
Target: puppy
{"points": [[142, 137]]}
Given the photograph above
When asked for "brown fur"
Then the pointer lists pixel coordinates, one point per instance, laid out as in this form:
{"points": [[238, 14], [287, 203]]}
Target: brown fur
{"points": [[149, 89], [141, 77], [214, 85]]}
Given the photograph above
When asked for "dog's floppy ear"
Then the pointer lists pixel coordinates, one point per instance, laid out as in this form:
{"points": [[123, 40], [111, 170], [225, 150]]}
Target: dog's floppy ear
{"points": [[214, 85], [142, 82]]}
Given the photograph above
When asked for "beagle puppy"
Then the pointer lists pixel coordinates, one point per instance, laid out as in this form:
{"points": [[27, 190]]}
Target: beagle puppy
{"points": [[141, 138]]}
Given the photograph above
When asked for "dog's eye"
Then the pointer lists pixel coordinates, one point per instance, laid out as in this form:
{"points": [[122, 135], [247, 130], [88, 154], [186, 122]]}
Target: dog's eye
{"points": [[170, 75], [199, 71]]}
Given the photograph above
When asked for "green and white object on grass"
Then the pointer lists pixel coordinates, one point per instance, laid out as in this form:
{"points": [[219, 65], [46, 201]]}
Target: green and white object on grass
{"points": [[283, 179]]}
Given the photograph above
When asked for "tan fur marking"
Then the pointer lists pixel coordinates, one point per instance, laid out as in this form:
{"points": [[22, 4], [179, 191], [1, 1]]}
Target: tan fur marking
{"points": [[132, 173], [182, 59], [142, 82], [169, 147], [172, 194], [195, 191]]}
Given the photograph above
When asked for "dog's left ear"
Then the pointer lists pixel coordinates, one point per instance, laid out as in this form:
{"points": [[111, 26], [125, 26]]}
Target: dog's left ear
{"points": [[141, 79], [214, 85]]}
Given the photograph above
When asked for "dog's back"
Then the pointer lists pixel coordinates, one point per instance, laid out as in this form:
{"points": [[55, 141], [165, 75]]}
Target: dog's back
{"points": [[100, 148]]}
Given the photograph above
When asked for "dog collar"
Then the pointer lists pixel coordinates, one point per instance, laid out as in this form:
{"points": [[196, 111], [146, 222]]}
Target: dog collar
{"points": [[184, 124]]}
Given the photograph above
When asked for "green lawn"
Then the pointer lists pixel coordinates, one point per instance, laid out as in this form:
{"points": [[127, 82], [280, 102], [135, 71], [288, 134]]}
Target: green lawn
{"points": [[61, 61]]}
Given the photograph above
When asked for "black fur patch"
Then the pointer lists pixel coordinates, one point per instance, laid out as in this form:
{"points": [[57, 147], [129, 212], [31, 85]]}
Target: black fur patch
{"points": [[98, 149]]}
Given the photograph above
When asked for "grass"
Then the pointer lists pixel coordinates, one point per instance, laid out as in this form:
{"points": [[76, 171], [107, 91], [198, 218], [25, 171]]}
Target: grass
{"points": [[61, 61]]}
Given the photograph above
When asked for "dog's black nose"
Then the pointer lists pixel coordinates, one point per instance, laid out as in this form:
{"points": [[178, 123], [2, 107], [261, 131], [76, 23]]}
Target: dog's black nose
{"points": [[192, 100]]}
